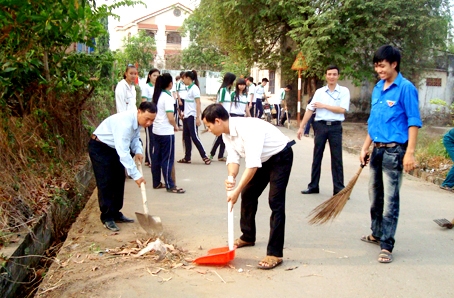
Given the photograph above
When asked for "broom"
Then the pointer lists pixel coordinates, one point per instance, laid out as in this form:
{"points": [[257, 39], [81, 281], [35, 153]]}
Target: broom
{"points": [[331, 208]]}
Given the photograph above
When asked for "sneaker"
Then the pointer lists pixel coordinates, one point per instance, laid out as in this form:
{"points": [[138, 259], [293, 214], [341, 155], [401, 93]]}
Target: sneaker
{"points": [[110, 225]]}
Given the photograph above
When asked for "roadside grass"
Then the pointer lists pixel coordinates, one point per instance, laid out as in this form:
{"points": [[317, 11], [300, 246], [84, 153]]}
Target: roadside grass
{"points": [[431, 154]]}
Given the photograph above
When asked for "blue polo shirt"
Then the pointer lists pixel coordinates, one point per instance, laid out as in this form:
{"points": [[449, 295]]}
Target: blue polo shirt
{"points": [[393, 111]]}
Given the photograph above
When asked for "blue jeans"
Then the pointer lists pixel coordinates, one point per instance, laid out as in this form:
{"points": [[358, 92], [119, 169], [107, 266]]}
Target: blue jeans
{"points": [[386, 165], [448, 141]]}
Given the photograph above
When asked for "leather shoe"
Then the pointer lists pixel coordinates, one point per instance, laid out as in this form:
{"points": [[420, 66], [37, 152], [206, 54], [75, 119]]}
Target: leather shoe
{"points": [[110, 224], [310, 190], [124, 219]]}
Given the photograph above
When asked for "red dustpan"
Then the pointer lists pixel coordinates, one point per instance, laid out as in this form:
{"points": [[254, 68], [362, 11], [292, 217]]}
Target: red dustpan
{"points": [[220, 255]]}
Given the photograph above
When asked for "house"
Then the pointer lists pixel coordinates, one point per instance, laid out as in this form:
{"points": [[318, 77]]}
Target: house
{"points": [[161, 20]]}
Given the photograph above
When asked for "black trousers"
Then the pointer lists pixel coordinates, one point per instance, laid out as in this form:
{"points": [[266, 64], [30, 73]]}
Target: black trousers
{"points": [[259, 107], [276, 172], [218, 142], [252, 110], [332, 134], [149, 141], [190, 132], [110, 179]]}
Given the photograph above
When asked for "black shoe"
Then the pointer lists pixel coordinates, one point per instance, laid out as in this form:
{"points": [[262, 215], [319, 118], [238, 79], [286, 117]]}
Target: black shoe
{"points": [[123, 218], [310, 190], [110, 224]]}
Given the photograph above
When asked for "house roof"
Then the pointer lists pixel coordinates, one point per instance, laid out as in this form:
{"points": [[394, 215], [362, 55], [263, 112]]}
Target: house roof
{"points": [[158, 12], [153, 14]]}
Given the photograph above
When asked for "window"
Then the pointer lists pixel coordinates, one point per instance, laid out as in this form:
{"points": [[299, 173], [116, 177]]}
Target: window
{"points": [[150, 33], [177, 12], [271, 84], [433, 82], [174, 38]]}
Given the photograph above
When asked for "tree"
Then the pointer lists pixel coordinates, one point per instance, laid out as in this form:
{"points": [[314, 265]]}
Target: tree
{"points": [[139, 49]]}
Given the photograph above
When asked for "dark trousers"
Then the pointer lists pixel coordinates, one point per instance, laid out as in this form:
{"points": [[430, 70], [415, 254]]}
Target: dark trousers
{"points": [[277, 107], [252, 110], [162, 160], [110, 179], [308, 125], [332, 134], [190, 132], [218, 142], [148, 143], [276, 172], [259, 107]]}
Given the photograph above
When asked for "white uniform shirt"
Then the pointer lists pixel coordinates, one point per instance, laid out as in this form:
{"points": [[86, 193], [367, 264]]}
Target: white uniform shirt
{"points": [[121, 132], [161, 124], [259, 92], [125, 96], [251, 90], [147, 91], [340, 97], [224, 98], [182, 90], [239, 104], [254, 139], [190, 108]]}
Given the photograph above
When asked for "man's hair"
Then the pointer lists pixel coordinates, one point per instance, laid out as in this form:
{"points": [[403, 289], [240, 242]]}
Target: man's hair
{"points": [[289, 87], [332, 67], [147, 106], [250, 79], [213, 111], [265, 80], [388, 53]]}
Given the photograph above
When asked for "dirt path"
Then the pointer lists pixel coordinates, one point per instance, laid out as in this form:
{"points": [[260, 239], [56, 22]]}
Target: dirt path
{"points": [[319, 261]]}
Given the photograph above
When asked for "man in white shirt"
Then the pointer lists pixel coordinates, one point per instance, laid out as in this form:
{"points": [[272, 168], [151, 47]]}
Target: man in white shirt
{"points": [[251, 95], [259, 97], [109, 150], [331, 102], [269, 157]]}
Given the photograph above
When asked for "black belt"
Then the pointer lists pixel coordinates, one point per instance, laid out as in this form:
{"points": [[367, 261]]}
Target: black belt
{"points": [[236, 115], [388, 145], [289, 144], [330, 122]]}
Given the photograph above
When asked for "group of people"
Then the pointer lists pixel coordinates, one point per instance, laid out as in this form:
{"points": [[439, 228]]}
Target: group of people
{"points": [[392, 129]]}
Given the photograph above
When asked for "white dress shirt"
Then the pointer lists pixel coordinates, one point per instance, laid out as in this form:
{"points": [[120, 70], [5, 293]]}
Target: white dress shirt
{"points": [[125, 96], [254, 139], [340, 97], [121, 132]]}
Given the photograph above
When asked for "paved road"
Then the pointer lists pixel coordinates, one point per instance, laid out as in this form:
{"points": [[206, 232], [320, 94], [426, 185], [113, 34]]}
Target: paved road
{"points": [[326, 261]]}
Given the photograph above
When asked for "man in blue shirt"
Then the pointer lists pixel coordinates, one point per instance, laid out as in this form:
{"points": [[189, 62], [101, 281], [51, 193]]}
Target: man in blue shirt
{"points": [[109, 149], [393, 129]]}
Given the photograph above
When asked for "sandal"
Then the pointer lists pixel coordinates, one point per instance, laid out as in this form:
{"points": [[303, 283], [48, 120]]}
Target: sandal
{"points": [[241, 243], [176, 190], [206, 160], [269, 262], [183, 161], [370, 239], [385, 257], [160, 185]]}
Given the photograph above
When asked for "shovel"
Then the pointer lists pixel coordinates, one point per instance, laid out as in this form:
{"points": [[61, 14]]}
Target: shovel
{"points": [[151, 224], [221, 255], [444, 223]]}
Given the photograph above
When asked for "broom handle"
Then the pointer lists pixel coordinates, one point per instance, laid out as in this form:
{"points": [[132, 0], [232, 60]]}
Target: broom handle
{"points": [[230, 219], [143, 191]]}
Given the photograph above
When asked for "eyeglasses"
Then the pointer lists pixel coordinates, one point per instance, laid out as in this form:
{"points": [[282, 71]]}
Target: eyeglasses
{"points": [[129, 65]]}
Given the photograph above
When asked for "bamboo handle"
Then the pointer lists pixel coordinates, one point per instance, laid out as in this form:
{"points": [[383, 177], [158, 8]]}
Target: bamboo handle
{"points": [[230, 219], [143, 191]]}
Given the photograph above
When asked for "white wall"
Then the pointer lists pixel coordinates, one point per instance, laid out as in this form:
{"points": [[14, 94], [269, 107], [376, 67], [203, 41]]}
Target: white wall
{"points": [[426, 93]]}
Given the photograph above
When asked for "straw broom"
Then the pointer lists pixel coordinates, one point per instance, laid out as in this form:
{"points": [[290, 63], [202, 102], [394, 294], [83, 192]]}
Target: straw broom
{"points": [[331, 208]]}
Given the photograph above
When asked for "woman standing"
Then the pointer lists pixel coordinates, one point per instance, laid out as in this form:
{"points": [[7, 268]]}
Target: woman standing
{"points": [[125, 92], [164, 128], [224, 98], [147, 95], [239, 98], [191, 121]]}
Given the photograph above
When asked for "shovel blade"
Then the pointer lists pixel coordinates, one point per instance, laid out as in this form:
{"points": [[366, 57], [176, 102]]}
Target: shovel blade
{"points": [[444, 223], [151, 224]]}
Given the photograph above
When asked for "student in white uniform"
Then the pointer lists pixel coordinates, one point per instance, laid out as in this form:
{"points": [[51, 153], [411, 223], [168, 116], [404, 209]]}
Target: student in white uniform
{"points": [[224, 98], [164, 128], [259, 97], [278, 103], [239, 99], [147, 95], [125, 92], [268, 156], [182, 94], [192, 120], [251, 94]]}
